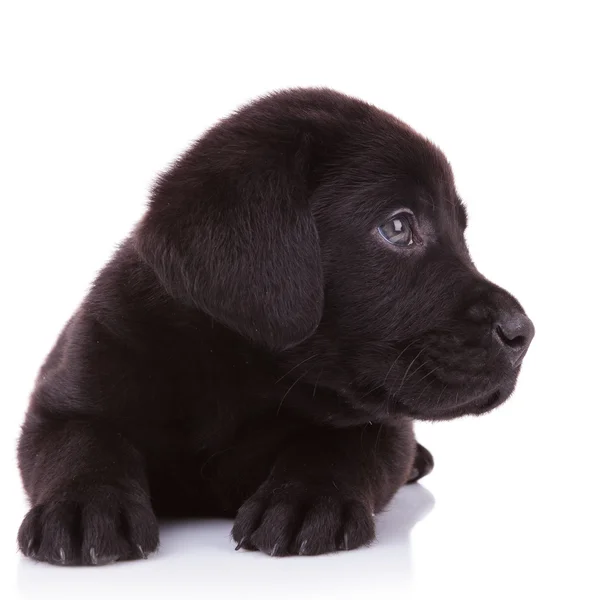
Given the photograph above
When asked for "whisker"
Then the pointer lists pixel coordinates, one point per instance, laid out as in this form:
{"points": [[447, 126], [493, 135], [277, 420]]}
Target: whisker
{"points": [[439, 398], [408, 369], [427, 375], [316, 382], [390, 369], [497, 354], [423, 390], [377, 438], [290, 388], [296, 366], [388, 373]]}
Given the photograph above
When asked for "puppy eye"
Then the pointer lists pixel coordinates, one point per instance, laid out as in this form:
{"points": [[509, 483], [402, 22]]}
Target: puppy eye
{"points": [[397, 230]]}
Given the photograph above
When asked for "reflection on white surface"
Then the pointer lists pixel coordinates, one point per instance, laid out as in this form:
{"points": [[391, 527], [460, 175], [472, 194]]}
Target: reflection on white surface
{"points": [[197, 559]]}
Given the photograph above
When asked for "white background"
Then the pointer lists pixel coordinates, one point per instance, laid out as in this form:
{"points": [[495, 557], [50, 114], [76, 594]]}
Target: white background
{"points": [[98, 97]]}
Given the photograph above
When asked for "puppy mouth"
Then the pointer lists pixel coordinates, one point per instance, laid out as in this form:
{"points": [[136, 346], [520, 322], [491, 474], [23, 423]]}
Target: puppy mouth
{"points": [[447, 393], [478, 406], [489, 403], [429, 390], [443, 401]]}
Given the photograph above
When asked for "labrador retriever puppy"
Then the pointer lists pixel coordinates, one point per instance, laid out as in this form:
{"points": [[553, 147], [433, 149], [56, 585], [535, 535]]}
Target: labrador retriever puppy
{"points": [[297, 293]]}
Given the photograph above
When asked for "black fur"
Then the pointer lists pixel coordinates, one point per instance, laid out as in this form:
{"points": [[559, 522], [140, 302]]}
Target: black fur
{"points": [[255, 348]]}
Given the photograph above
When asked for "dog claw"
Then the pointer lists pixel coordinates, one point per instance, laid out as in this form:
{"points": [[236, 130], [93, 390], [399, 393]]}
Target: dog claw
{"points": [[274, 549], [63, 558], [240, 543], [141, 552], [93, 556], [303, 547]]}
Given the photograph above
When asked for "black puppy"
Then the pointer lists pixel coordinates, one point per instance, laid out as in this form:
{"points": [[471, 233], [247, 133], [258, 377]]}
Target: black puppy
{"points": [[297, 293]]}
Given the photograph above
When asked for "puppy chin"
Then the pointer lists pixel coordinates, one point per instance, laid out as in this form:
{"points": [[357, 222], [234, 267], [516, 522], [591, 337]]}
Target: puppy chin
{"points": [[464, 404]]}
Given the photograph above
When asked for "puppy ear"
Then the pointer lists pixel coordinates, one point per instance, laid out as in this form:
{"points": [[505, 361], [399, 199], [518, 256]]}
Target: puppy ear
{"points": [[230, 232]]}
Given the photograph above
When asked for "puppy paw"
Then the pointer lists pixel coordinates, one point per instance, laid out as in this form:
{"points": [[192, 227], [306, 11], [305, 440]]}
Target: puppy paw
{"points": [[92, 528], [290, 519], [423, 464]]}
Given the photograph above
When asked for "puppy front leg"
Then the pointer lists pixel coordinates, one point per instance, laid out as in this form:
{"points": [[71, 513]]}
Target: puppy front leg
{"points": [[324, 490], [89, 494]]}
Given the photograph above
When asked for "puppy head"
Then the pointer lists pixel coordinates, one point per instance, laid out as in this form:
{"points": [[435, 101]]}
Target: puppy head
{"points": [[317, 224]]}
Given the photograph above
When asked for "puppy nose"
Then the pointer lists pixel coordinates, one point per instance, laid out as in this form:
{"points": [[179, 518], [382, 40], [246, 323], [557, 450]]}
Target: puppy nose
{"points": [[514, 331]]}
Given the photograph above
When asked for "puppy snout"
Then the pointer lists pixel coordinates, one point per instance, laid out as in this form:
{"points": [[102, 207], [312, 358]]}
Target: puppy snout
{"points": [[513, 331]]}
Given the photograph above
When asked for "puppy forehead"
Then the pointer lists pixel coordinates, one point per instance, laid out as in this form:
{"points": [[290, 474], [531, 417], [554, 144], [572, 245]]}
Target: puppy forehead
{"points": [[420, 169], [361, 158], [405, 171]]}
